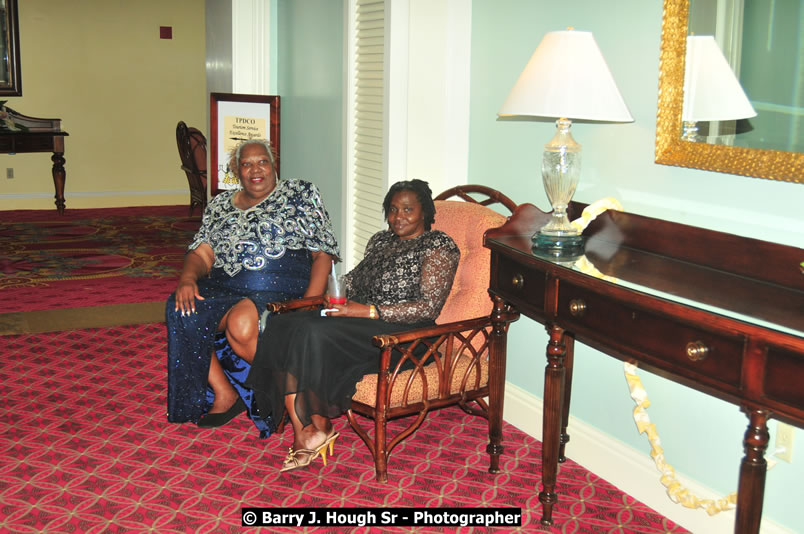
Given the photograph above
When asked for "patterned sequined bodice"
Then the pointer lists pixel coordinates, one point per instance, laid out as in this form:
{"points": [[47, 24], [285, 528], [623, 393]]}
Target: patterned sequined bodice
{"points": [[293, 217]]}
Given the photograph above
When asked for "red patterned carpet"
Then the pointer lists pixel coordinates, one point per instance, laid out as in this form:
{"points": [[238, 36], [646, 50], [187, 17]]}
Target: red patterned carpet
{"points": [[91, 257], [86, 448]]}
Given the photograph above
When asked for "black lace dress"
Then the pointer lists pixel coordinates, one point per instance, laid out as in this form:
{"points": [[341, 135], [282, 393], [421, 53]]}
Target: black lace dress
{"points": [[322, 359]]}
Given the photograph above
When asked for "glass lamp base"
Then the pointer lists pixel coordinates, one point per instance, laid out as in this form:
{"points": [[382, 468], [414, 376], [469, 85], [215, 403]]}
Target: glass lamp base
{"points": [[558, 247]]}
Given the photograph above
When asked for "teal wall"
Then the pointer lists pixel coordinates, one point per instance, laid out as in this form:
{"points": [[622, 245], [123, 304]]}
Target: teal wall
{"points": [[702, 436], [310, 82]]}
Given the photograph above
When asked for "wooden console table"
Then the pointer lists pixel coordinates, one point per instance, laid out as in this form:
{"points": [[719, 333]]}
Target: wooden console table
{"points": [[719, 313], [43, 135]]}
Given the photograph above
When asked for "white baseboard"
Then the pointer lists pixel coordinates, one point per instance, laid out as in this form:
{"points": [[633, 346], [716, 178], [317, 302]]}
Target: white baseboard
{"points": [[95, 199], [632, 471]]}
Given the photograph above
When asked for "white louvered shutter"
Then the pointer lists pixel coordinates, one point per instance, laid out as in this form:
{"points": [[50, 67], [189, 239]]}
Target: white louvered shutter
{"points": [[368, 181]]}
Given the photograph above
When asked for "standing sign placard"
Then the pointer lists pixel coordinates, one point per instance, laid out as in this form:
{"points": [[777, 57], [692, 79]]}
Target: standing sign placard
{"points": [[235, 118]]}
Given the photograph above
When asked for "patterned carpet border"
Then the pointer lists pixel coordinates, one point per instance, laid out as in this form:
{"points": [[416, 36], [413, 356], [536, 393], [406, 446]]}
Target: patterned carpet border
{"points": [[86, 448]]}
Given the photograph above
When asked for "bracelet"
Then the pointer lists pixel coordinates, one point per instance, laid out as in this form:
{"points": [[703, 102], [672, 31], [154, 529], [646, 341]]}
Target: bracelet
{"points": [[372, 311]]}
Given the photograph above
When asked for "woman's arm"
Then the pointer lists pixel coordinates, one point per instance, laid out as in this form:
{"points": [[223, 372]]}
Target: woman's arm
{"points": [[322, 263], [437, 273], [197, 264]]}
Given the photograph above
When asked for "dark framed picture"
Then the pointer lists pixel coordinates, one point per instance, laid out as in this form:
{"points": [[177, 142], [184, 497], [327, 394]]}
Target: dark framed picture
{"points": [[10, 75], [234, 118]]}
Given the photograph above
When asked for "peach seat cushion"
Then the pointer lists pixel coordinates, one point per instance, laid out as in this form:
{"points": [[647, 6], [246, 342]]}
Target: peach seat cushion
{"points": [[466, 223]]}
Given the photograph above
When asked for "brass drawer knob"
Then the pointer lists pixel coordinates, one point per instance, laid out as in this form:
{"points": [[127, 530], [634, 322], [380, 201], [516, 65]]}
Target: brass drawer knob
{"points": [[577, 307], [518, 281], [697, 351]]}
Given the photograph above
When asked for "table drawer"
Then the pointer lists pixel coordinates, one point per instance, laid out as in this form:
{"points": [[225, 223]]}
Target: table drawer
{"points": [[784, 376], [36, 143], [519, 284], [664, 341]]}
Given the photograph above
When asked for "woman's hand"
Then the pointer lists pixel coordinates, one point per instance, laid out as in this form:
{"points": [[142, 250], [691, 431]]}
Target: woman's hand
{"points": [[186, 293], [350, 309], [197, 264]]}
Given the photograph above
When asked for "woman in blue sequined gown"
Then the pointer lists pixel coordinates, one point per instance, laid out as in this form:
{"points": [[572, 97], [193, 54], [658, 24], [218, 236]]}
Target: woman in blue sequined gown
{"points": [[269, 240]]}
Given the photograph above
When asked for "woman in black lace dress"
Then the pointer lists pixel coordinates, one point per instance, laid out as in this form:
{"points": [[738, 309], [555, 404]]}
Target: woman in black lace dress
{"points": [[311, 364]]}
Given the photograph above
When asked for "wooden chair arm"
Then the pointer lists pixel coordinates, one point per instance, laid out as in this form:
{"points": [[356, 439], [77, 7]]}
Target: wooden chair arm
{"points": [[306, 303], [388, 340]]}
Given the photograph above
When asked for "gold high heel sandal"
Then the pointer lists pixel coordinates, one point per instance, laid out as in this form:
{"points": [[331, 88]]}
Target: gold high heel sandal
{"points": [[294, 461]]}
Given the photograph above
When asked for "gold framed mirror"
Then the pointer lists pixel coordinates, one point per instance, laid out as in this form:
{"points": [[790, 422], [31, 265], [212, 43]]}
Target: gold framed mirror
{"points": [[672, 150]]}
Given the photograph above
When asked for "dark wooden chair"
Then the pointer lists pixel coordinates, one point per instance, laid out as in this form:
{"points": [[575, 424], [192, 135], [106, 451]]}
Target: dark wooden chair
{"points": [[465, 352], [193, 153]]}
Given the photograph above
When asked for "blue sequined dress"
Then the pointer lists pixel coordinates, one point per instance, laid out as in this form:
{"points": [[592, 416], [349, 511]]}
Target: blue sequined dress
{"points": [[263, 254]]}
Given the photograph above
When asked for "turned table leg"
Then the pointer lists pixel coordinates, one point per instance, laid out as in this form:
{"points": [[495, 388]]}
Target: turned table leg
{"points": [[59, 177], [569, 359], [751, 488], [497, 356], [551, 425]]}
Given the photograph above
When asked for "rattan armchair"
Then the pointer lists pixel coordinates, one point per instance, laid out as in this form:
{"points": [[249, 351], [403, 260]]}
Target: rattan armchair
{"points": [[464, 362]]}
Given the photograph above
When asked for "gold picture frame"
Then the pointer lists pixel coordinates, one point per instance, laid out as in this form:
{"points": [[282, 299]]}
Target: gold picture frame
{"points": [[672, 150]]}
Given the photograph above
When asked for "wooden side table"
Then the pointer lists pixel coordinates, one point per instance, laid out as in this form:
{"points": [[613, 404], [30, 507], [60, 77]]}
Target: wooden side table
{"points": [[43, 135], [720, 313]]}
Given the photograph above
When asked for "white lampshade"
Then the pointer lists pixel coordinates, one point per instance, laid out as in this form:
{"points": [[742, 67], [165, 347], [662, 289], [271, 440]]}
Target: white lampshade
{"points": [[567, 77], [711, 90]]}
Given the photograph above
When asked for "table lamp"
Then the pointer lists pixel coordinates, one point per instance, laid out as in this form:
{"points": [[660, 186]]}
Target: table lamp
{"points": [[711, 90], [566, 78]]}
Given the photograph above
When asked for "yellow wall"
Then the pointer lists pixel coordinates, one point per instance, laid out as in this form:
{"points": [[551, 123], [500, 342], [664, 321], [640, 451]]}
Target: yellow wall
{"points": [[100, 66]]}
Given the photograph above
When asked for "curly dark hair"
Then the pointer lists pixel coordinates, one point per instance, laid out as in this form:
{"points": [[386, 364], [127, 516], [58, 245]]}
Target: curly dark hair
{"points": [[422, 191]]}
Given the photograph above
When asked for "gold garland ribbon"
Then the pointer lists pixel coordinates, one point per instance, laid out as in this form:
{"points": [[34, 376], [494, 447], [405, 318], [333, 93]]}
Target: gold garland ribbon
{"points": [[589, 214], [677, 493], [675, 490], [594, 209]]}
